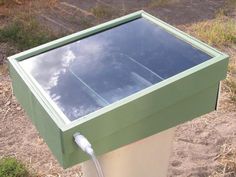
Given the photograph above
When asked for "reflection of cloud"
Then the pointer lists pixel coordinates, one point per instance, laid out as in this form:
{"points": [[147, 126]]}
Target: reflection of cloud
{"points": [[90, 54], [47, 67], [81, 110], [66, 60], [50, 69], [55, 97]]}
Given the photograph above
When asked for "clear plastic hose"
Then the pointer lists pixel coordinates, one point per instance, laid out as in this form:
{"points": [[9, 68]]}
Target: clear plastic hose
{"points": [[85, 145], [98, 166]]}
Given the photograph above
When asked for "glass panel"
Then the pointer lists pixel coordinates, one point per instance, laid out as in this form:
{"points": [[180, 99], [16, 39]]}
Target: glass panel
{"points": [[88, 74], [116, 75]]}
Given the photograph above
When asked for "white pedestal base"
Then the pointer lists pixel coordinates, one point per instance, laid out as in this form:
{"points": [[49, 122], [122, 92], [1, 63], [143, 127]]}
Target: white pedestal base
{"points": [[145, 158]]}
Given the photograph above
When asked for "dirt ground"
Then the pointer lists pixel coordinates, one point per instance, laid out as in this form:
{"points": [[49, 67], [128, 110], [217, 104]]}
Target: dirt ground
{"points": [[200, 146]]}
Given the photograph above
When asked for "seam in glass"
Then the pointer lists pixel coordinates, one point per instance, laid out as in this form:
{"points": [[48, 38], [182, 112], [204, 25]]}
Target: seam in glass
{"points": [[146, 68], [91, 92]]}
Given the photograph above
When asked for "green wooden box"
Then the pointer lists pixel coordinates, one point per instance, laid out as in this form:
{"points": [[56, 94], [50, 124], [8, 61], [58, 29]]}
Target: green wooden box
{"points": [[180, 98]]}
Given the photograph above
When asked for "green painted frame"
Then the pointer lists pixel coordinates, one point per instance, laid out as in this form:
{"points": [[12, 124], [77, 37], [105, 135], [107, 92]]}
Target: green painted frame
{"points": [[131, 118]]}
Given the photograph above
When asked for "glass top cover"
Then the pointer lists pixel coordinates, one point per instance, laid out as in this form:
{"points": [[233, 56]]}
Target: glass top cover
{"points": [[88, 74]]}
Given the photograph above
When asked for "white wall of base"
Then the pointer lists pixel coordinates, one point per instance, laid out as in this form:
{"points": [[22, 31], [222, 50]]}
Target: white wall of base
{"points": [[145, 158]]}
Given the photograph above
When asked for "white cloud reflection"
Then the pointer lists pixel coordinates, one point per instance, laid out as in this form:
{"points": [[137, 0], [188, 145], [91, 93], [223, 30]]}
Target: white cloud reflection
{"points": [[50, 69]]}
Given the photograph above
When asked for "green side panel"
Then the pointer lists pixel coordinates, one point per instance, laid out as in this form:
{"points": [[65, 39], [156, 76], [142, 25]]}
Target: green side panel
{"points": [[173, 115], [145, 106], [40, 118]]}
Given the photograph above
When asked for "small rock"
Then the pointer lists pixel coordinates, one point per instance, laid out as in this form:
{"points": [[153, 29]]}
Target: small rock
{"points": [[18, 108], [40, 141], [18, 2], [8, 103], [176, 163]]}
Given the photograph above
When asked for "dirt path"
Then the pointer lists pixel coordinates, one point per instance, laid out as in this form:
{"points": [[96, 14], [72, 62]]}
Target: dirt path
{"points": [[67, 15], [198, 145]]}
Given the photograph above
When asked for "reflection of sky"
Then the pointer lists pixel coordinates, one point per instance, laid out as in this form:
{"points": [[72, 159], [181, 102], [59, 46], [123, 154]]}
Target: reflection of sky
{"points": [[96, 71]]}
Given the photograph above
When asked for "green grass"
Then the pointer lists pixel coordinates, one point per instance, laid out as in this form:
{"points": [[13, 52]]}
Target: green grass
{"points": [[25, 32], [11, 167], [219, 31]]}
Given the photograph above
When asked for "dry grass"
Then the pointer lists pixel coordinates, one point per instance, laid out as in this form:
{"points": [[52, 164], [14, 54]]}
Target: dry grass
{"points": [[11, 2], [102, 11], [227, 162], [230, 6], [85, 23], [3, 69], [219, 31], [159, 3], [230, 82]]}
